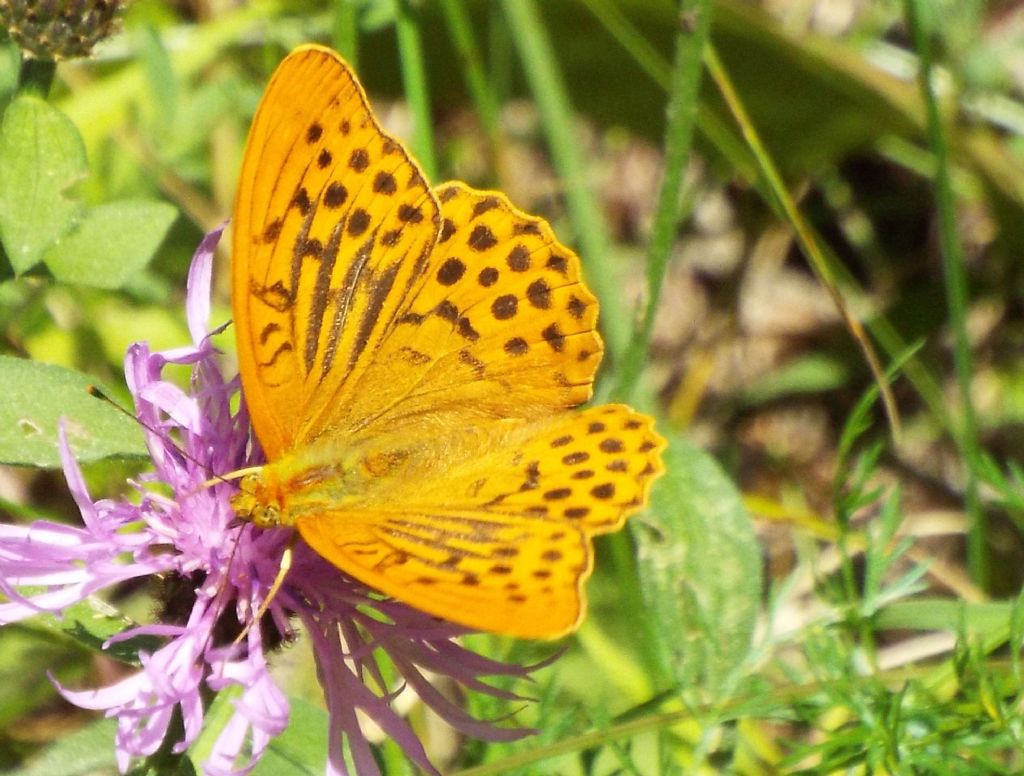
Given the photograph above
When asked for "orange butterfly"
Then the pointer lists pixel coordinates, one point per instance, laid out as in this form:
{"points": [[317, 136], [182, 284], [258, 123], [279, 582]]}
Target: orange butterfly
{"points": [[409, 357]]}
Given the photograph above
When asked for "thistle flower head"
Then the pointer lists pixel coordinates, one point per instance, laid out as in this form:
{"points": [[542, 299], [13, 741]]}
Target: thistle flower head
{"points": [[59, 29], [181, 526]]}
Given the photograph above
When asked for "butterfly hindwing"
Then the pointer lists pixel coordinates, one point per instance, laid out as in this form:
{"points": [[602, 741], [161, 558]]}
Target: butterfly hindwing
{"points": [[499, 541]]}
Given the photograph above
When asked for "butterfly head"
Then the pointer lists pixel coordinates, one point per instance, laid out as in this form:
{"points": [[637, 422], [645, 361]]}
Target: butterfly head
{"points": [[258, 501]]}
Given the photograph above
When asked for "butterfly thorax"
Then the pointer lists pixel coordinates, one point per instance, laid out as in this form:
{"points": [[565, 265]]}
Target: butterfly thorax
{"points": [[278, 493]]}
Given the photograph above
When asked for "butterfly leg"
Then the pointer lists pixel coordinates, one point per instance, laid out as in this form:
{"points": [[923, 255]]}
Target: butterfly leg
{"points": [[282, 572]]}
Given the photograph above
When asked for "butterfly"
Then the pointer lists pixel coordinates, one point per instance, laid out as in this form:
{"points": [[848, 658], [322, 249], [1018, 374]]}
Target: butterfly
{"points": [[410, 358]]}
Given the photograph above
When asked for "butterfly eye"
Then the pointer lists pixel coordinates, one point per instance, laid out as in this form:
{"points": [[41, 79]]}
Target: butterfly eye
{"points": [[266, 516]]}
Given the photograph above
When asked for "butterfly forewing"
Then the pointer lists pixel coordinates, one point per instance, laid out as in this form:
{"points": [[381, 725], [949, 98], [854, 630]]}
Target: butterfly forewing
{"points": [[501, 326], [333, 226]]}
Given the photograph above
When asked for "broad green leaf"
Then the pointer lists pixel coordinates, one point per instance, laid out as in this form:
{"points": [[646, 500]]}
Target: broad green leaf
{"points": [[110, 243], [37, 396], [86, 752], [41, 155], [700, 567]]}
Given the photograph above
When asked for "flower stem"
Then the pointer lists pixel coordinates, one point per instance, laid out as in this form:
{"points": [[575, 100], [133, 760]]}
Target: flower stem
{"points": [[36, 76], [955, 277]]}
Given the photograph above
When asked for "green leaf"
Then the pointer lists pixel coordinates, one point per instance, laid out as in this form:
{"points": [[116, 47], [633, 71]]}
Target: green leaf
{"points": [[111, 243], [91, 622], [700, 567], [812, 373], [944, 614], [41, 155], [28, 654], [302, 747], [86, 752], [37, 396]]}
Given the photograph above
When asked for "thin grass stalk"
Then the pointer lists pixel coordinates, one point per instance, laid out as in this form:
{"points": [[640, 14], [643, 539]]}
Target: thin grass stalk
{"points": [[682, 82], [345, 31], [414, 79], [471, 63], [684, 87], [501, 64], [955, 279], [632, 40], [804, 234], [556, 114], [681, 111]]}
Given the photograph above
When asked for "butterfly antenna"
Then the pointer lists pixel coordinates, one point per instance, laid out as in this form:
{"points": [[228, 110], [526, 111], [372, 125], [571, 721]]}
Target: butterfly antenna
{"points": [[97, 393], [282, 572]]}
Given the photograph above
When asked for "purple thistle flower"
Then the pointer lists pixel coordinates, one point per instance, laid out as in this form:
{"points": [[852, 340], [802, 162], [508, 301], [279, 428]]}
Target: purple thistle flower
{"points": [[193, 436]]}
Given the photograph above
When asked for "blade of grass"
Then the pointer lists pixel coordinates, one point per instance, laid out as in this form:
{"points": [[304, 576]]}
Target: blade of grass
{"points": [[632, 40], [501, 68], [345, 31], [501, 54], [955, 278], [684, 87], [414, 79], [471, 62], [545, 81], [804, 234]]}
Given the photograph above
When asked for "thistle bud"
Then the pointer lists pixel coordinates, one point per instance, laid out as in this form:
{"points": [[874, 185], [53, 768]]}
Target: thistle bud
{"points": [[59, 29]]}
